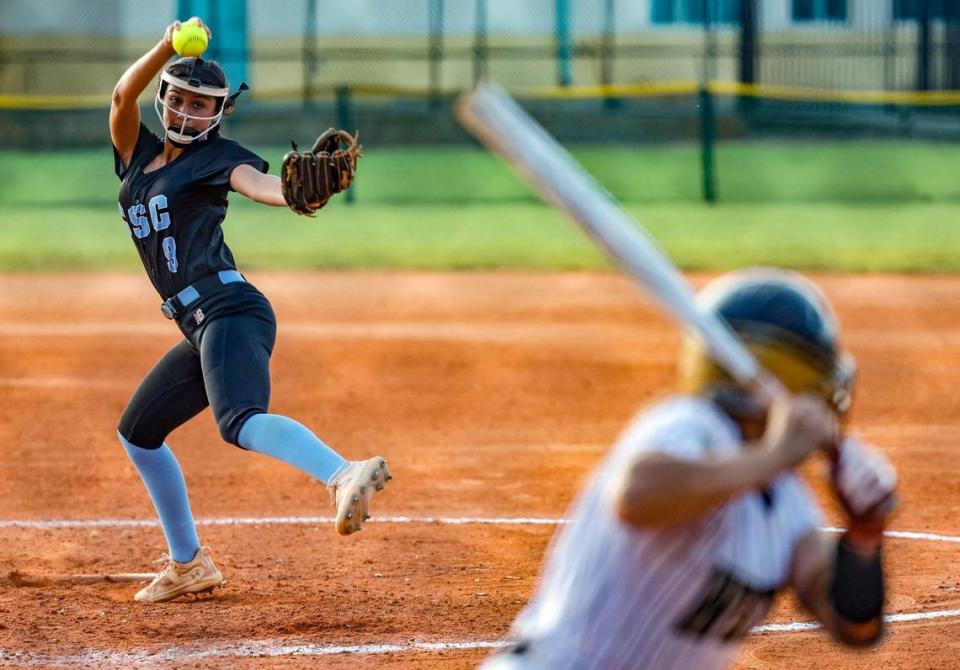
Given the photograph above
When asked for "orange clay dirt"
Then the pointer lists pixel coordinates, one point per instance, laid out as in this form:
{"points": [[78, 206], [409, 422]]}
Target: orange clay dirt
{"points": [[492, 394]]}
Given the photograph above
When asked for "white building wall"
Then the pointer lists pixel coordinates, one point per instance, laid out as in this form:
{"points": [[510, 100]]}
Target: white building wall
{"points": [[774, 14], [277, 34], [870, 14], [285, 18]]}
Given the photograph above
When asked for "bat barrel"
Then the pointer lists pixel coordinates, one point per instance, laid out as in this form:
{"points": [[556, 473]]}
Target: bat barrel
{"points": [[506, 129]]}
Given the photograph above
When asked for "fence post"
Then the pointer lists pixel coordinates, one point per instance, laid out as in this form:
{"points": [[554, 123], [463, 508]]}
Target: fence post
{"points": [[435, 49], [951, 50], [309, 53], [345, 121], [707, 114], [924, 47], [708, 138], [564, 47], [890, 52], [480, 42], [607, 51], [748, 51], [748, 41]]}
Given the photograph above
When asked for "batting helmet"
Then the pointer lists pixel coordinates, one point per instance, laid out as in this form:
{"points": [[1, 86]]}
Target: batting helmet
{"points": [[787, 323], [197, 76]]}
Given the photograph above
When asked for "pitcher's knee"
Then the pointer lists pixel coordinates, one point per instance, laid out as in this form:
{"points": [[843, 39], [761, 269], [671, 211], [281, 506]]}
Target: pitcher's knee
{"points": [[138, 434], [232, 421]]}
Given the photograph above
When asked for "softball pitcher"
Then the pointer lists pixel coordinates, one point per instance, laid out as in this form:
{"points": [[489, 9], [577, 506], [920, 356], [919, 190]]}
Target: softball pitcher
{"points": [[173, 198], [696, 519]]}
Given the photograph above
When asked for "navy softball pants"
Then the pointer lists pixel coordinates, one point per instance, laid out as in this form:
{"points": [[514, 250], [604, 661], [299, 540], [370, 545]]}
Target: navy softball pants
{"points": [[224, 363]]}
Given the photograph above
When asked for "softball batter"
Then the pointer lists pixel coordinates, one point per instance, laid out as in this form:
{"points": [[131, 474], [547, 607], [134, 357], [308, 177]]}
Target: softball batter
{"points": [[696, 519], [173, 198]]}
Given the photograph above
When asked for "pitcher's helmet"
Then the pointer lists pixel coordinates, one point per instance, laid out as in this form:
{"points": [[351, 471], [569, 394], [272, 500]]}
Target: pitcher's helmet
{"points": [[787, 323], [196, 75]]}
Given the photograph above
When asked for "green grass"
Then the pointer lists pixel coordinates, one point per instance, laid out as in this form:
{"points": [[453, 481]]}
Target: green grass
{"points": [[864, 206]]}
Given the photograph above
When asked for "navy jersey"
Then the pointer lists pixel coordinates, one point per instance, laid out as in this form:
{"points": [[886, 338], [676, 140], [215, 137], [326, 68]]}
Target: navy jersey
{"points": [[174, 212]]}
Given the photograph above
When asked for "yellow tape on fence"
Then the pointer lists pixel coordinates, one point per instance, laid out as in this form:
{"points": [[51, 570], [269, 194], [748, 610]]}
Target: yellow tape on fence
{"points": [[800, 93], [386, 90], [647, 90], [39, 101], [762, 91], [653, 89], [54, 101]]}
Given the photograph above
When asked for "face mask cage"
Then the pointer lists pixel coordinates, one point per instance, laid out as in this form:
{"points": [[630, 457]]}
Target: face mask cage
{"points": [[182, 135]]}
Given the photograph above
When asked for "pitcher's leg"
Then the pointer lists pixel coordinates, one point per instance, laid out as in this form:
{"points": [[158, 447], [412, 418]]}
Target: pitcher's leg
{"points": [[235, 359], [163, 478], [291, 442], [170, 394], [235, 353]]}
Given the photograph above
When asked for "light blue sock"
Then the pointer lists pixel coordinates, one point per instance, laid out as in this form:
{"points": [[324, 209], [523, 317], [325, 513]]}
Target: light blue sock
{"points": [[291, 442], [163, 478]]}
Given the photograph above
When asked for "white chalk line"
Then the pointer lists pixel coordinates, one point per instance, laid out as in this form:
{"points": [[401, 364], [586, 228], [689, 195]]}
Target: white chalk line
{"points": [[55, 524], [903, 617], [267, 648], [908, 535]]}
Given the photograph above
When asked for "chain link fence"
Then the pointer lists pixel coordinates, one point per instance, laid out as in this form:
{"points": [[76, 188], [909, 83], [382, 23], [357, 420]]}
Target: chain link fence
{"points": [[295, 49], [621, 72]]}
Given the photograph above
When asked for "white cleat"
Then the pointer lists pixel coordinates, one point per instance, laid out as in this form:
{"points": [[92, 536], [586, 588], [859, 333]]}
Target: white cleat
{"points": [[199, 576], [352, 489]]}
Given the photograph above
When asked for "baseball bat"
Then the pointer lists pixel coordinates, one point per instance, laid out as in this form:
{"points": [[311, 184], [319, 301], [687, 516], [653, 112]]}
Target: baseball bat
{"points": [[496, 119]]}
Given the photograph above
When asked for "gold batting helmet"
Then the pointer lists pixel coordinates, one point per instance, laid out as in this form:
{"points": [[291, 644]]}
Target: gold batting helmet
{"points": [[787, 323]]}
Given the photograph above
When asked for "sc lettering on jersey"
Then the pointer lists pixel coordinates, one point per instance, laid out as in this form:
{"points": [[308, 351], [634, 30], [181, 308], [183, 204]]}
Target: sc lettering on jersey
{"points": [[138, 222], [159, 216], [159, 220], [158, 212]]}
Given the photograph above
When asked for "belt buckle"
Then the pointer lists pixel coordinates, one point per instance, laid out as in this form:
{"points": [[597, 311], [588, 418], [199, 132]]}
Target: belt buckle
{"points": [[167, 310]]}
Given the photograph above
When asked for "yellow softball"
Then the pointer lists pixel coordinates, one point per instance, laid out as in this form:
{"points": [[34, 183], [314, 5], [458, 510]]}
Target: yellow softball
{"points": [[189, 39]]}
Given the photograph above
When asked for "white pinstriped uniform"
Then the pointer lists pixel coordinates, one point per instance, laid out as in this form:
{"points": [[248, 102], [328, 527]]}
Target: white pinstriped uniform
{"points": [[613, 597]]}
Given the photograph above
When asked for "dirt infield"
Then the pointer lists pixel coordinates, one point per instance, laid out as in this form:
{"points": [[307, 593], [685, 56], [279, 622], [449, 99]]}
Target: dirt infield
{"points": [[492, 395]]}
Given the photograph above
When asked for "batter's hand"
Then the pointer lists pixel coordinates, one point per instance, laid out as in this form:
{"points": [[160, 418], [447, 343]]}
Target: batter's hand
{"points": [[797, 426], [865, 484]]}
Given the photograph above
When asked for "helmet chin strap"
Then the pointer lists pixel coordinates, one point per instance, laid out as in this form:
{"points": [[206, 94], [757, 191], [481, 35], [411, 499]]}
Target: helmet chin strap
{"points": [[170, 137], [184, 137]]}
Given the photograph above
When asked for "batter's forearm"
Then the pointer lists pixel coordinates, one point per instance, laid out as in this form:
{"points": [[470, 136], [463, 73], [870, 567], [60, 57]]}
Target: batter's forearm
{"points": [[658, 491], [842, 584], [139, 75], [856, 591]]}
